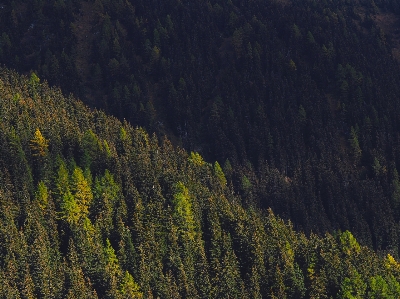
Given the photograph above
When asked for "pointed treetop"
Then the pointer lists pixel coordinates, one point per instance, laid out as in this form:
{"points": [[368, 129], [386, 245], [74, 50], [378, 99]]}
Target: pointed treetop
{"points": [[39, 144]]}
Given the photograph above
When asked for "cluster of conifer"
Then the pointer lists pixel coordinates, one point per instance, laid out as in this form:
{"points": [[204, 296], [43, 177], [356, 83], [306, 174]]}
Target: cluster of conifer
{"points": [[309, 86], [91, 207]]}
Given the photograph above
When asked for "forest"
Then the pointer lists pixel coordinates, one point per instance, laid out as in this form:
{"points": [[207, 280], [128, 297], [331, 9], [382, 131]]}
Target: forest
{"points": [[199, 149], [92, 207]]}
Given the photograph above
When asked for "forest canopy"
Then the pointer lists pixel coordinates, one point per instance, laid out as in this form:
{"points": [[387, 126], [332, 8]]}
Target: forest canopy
{"points": [[296, 100], [209, 123], [94, 208]]}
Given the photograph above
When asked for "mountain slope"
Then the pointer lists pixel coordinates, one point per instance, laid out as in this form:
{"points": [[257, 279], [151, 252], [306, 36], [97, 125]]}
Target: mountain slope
{"points": [[300, 97], [94, 208]]}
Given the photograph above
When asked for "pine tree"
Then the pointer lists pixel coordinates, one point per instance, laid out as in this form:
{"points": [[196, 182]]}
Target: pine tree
{"points": [[42, 195], [129, 288], [183, 211], [76, 284], [106, 193], [219, 174]]}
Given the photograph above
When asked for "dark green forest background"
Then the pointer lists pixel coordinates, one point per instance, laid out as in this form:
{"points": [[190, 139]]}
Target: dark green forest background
{"points": [[296, 100]]}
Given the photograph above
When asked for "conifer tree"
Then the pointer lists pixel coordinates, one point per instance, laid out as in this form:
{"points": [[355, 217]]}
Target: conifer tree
{"points": [[39, 144], [183, 211], [129, 288], [82, 192], [42, 195], [76, 284], [220, 174]]}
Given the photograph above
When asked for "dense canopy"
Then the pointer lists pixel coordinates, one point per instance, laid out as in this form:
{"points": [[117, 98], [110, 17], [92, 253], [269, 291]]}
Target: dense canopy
{"points": [[93, 208], [209, 123]]}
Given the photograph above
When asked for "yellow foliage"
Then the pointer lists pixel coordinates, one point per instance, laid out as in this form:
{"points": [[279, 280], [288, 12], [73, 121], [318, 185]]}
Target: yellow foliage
{"points": [[82, 191], [292, 65], [288, 254], [196, 159], [391, 263], [39, 144]]}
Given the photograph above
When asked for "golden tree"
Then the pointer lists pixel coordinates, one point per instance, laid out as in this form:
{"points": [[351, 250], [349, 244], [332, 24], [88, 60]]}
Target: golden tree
{"points": [[39, 144]]}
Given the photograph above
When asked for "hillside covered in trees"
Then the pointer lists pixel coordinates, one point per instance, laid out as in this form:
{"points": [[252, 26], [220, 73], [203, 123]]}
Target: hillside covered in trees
{"points": [[91, 207], [256, 106], [296, 100]]}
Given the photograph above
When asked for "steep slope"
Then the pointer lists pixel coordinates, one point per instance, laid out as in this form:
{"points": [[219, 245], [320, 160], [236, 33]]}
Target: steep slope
{"points": [[93, 208], [300, 97]]}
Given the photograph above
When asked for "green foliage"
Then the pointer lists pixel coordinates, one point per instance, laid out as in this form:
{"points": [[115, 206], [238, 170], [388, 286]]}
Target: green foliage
{"points": [[228, 168], [70, 209], [123, 58], [155, 55], [76, 284], [378, 288], [42, 195], [310, 38], [353, 287], [62, 179], [34, 81], [395, 189], [377, 167], [106, 192], [129, 288], [158, 224], [16, 154], [183, 211], [111, 259], [219, 174], [302, 114], [355, 144], [246, 184], [74, 194], [296, 31], [393, 287], [91, 147], [349, 243], [122, 134], [237, 41]]}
